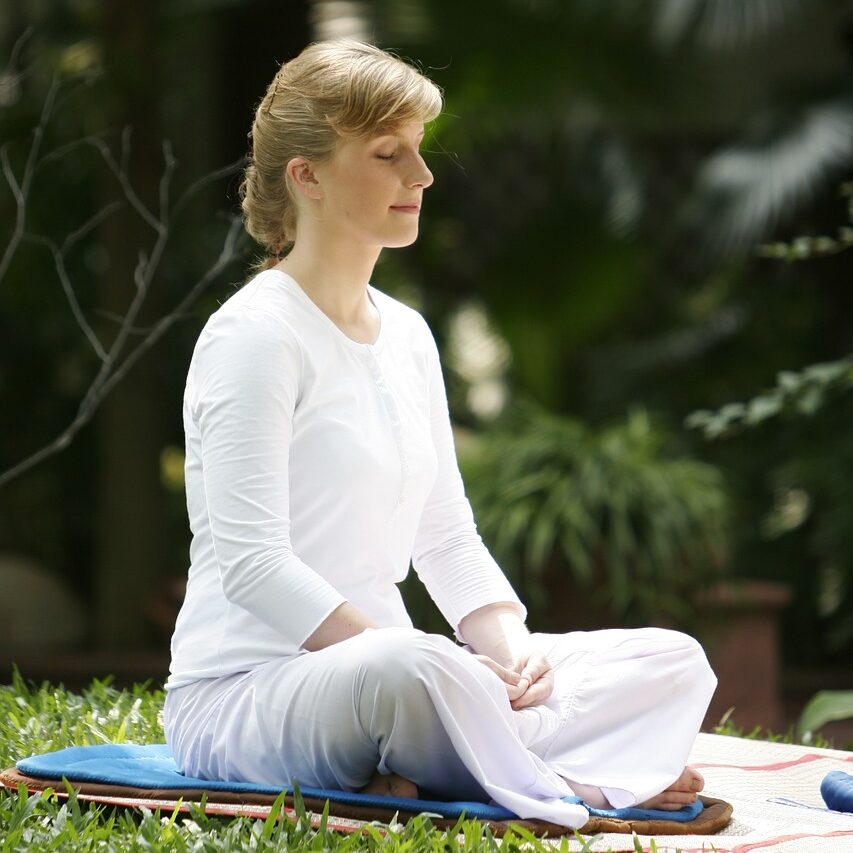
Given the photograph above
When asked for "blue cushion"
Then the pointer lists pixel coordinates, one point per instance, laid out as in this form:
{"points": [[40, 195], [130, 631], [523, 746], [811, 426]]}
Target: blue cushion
{"points": [[837, 791], [152, 766]]}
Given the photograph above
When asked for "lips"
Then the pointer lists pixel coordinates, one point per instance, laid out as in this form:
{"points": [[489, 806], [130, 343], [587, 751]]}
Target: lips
{"points": [[412, 208]]}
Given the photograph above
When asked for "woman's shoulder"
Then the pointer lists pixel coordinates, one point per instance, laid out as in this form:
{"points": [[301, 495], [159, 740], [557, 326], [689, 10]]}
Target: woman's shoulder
{"points": [[254, 324], [259, 306]]}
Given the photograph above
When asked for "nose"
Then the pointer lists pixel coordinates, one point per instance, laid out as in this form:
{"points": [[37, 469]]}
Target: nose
{"points": [[422, 177]]}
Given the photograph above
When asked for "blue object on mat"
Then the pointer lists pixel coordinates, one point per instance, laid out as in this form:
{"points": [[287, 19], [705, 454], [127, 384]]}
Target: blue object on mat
{"points": [[152, 766], [837, 791]]}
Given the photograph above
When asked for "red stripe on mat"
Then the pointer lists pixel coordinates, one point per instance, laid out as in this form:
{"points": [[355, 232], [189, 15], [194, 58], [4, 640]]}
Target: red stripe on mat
{"points": [[780, 765], [782, 839]]}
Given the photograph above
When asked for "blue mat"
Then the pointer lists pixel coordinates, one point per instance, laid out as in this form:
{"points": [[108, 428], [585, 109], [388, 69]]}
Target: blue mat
{"points": [[152, 766]]}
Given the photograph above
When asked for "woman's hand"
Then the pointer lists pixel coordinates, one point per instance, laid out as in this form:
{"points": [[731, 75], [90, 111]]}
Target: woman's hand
{"points": [[529, 682], [510, 679], [501, 641], [536, 677]]}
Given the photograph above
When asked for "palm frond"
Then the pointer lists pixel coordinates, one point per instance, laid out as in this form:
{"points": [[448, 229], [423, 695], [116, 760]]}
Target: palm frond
{"points": [[722, 24], [747, 189]]}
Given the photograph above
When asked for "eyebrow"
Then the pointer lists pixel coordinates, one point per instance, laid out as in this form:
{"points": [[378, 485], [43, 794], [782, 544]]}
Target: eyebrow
{"points": [[400, 136]]}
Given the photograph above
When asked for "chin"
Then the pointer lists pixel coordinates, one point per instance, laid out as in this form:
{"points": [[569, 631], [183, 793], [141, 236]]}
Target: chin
{"points": [[401, 242]]}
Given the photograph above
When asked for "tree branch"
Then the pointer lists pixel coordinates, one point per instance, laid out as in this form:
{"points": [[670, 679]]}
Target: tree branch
{"points": [[117, 359], [21, 190], [107, 377], [121, 174]]}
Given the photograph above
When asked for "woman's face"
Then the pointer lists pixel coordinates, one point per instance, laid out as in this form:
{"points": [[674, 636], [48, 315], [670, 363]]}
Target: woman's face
{"points": [[368, 184]]}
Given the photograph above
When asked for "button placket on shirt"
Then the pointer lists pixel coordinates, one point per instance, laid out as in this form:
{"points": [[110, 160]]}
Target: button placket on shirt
{"points": [[390, 403]]}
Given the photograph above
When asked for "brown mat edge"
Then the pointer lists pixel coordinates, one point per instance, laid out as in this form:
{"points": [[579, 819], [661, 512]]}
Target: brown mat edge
{"points": [[715, 816]]}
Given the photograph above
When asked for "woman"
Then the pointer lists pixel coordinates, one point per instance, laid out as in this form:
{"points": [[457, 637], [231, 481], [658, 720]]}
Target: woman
{"points": [[320, 461]]}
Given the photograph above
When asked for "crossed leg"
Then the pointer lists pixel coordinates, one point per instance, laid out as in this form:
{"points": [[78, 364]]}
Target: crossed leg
{"points": [[680, 793]]}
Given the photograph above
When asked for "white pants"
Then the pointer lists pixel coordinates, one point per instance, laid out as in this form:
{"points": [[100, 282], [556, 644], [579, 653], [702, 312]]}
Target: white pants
{"points": [[626, 707]]}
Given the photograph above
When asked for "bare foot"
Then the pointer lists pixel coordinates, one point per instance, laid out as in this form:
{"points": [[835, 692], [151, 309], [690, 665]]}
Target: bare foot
{"points": [[390, 785], [682, 792]]}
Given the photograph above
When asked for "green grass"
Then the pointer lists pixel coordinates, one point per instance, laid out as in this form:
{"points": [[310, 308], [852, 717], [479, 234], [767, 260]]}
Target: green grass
{"points": [[46, 717]]}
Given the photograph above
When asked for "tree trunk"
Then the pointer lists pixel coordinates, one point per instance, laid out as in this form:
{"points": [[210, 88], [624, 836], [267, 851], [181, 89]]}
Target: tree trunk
{"points": [[130, 427]]}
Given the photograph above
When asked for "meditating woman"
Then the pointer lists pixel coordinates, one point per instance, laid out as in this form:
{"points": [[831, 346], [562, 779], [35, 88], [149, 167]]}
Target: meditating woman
{"points": [[320, 463]]}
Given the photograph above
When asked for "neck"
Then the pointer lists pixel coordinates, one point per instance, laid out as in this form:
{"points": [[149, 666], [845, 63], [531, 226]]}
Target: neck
{"points": [[334, 273]]}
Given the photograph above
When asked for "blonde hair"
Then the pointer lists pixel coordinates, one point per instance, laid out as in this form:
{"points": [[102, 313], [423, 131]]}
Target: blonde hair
{"points": [[341, 88]]}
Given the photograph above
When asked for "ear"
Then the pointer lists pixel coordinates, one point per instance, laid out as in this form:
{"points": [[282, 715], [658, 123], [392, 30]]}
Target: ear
{"points": [[302, 178]]}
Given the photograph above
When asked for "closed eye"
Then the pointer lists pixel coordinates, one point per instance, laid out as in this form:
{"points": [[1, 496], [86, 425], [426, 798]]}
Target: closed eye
{"points": [[392, 156]]}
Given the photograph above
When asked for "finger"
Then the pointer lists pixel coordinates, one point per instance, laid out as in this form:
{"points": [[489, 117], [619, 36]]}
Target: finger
{"points": [[514, 685], [506, 675], [535, 668], [536, 694]]}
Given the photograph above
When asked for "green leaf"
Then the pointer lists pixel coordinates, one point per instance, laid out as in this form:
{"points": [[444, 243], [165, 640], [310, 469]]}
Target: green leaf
{"points": [[825, 707], [763, 407]]}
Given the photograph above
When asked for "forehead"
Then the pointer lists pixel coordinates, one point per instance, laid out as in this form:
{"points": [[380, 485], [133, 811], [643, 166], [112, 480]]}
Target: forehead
{"points": [[407, 131]]}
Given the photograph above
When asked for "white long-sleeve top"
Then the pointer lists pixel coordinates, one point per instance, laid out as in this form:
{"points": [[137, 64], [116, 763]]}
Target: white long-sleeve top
{"points": [[317, 469]]}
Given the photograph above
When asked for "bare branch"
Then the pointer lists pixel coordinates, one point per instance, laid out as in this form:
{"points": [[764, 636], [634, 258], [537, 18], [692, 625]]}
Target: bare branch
{"points": [[62, 274], [120, 172], [107, 377], [139, 271], [10, 77], [60, 253], [61, 150], [193, 189], [90, 225], [166, 180], [17, 49], [10, 176], [117, 359], [81, 80], [38, 135], [226, 255], [21, 190], [126, 133], [118, 319]]}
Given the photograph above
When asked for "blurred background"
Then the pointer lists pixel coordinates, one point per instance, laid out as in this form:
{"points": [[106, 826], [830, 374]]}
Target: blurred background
{"points": [[635, 257]]}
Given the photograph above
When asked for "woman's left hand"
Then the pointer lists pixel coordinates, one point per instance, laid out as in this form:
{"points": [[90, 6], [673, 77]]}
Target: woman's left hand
{"points": [[530, 681], [536, 681]]}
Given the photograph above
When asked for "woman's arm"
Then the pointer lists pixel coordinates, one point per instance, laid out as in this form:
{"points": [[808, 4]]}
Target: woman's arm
{"points": [[461, 575], [242, 394], [342, 623], [449, 555]]}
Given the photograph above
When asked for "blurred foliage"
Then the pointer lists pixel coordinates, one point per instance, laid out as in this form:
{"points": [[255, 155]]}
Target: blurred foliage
{"points": [[811, 409], [613, 508], [800, 392], [602, 174], [824, 707]]}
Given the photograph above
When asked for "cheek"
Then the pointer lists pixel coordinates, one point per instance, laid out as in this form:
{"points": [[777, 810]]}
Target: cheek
{"points": [[366, 194]]}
